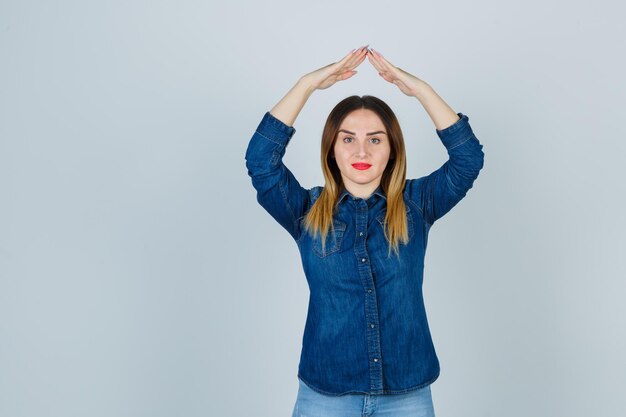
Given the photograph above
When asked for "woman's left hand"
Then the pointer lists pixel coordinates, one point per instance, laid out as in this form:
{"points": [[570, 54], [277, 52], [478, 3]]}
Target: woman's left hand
{"points": [[407, 83]]}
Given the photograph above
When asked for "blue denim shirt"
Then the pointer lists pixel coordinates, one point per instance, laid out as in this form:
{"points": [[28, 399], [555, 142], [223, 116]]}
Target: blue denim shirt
{"points": [[366, 329]]}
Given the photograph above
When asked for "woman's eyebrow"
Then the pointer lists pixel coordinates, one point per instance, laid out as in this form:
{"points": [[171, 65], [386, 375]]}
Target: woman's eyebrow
{"points": [[367, 134]]}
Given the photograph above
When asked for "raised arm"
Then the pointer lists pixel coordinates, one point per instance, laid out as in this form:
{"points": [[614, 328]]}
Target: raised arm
{"points": [[288, 108], [441, 114], [438, 192], [278, 191]]}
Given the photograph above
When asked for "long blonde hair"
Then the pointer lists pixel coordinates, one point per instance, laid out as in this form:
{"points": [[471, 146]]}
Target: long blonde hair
{"points": [[320, 218]]}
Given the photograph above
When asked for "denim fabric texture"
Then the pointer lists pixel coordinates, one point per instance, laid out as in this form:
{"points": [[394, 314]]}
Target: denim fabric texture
{"points": [[415, 403], [366, 329]]}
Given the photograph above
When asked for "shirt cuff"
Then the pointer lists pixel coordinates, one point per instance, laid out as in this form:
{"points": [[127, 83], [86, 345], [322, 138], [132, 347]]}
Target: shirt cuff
{"points": [[275, 130], [457, 133]]}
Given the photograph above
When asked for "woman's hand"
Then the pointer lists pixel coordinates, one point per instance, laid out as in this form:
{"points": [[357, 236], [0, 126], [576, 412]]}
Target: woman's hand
{"points": [[407, 83], [288, 108], [439, 111], [324, 77]]}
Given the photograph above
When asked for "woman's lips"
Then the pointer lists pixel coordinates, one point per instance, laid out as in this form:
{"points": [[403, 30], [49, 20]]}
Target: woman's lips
{"points": [[361, 166]]}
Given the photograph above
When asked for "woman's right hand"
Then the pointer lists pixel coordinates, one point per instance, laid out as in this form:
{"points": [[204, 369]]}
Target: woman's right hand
{"points": [[324, 77]]}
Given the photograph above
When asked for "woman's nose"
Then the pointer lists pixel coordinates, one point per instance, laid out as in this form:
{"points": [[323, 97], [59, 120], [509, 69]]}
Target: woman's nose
{"points": [[362, 150]]}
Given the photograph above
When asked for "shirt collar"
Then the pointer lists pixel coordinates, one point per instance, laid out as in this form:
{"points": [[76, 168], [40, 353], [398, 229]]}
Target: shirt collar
{"points": [[378, 191]]}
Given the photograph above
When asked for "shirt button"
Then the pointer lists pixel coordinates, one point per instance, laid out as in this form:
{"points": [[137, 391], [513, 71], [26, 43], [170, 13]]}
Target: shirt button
{"points": [[372, 326], [363, 260], [375, 359], [369, 290], [361, 234]]}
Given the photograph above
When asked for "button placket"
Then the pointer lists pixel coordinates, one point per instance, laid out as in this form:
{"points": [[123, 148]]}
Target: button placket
{"points": [[371, 304]]}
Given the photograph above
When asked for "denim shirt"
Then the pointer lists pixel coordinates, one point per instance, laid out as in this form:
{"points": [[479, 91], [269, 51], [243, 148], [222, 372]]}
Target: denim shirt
{"points": [[366, 329]]}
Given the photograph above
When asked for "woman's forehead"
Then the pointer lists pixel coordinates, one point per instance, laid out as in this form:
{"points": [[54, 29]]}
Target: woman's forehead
{"points": [[362, 120]]}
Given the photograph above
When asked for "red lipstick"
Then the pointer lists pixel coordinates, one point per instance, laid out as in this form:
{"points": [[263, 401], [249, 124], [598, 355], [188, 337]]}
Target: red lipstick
{"points": [[361, 165]]}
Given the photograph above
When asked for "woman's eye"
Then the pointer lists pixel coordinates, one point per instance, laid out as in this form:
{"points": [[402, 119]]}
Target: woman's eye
{"points": [[376, 139], [347, 138]]}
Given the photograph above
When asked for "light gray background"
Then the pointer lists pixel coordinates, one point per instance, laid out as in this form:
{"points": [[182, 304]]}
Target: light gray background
{"points": [[139, 276]]}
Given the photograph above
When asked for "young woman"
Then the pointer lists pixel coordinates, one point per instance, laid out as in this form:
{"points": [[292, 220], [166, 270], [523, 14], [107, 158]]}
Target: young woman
{"points": [[366, 348]]}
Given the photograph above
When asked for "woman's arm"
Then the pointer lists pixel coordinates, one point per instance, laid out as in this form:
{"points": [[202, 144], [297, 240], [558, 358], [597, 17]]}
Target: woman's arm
{"points": [[437, 193], [288, 108], [441, 114], [278, 191]]}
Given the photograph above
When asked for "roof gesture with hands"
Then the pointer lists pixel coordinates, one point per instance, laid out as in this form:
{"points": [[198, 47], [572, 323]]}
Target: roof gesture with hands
{"points": [[345, 68], [291, 104]]}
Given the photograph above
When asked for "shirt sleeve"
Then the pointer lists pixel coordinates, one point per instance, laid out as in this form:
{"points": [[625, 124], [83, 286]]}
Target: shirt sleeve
{"points": [[278, 191], [441, 190]]}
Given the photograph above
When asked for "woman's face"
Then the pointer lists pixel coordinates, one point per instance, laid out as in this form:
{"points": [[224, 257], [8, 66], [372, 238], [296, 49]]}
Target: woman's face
{"points": [[362, 150]]}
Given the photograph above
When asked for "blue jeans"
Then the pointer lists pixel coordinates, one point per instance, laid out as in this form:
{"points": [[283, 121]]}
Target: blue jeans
{"points": [[310, 403]]}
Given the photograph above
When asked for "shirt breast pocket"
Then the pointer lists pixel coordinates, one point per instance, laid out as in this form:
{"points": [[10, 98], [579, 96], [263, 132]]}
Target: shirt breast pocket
{"points": [[409, 220], [333, 240]]}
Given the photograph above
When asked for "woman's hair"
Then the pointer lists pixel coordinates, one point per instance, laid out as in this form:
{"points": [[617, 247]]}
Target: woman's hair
{"points": [[319, 218]]}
